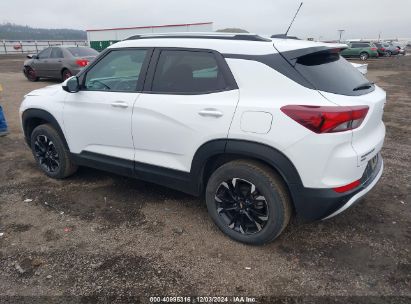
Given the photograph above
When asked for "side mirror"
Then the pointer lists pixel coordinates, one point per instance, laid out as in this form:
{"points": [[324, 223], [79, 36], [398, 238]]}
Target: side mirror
{"points": [[33, 56], [72, 85], [30, 56]]}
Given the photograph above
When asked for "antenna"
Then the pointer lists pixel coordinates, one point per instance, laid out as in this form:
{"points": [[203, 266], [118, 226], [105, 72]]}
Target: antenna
{"points": [[301, 4]]}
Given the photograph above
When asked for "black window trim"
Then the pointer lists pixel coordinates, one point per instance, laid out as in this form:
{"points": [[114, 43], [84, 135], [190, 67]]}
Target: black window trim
{"points": [[141, 79], [229, 79]]}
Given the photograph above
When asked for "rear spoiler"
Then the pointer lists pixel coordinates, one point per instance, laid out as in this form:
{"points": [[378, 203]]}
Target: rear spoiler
{"points": [[294, 54]]}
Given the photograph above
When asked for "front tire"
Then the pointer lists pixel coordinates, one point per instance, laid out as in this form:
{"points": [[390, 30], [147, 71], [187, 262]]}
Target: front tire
{"points": [[248, 202], [50, 154], [30, 74]]}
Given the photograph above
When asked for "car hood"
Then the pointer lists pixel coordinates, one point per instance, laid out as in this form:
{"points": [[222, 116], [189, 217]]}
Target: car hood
{"points": [[46, 91]]}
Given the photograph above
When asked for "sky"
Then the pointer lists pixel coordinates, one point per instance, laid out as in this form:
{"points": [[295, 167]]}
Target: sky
{"points": [[319, 19]]}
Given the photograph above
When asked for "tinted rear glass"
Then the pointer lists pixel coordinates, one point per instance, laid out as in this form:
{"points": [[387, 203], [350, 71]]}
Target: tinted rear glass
{"points": [[330, 72], [188, 72], [82, 51]]}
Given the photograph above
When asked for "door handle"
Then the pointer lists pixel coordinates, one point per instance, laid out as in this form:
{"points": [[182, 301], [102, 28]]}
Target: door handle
{"points": [[211, 113], [119, 104]]}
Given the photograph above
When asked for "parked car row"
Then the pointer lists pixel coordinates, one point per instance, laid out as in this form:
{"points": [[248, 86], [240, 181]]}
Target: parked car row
{"points": [[365, 49]]}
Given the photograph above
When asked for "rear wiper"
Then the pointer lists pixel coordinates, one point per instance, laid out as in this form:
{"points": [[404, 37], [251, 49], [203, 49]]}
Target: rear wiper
{"points": [[364, 86]]}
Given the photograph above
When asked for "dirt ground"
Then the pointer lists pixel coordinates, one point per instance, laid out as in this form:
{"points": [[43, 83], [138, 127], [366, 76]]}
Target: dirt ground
{"points": [[97, 234]]}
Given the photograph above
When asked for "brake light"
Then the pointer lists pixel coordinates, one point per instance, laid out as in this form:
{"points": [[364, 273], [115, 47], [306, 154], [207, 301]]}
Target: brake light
{"points": [[327, 119], [82, 62], [373, 49], [348, 187], [383, 49]]}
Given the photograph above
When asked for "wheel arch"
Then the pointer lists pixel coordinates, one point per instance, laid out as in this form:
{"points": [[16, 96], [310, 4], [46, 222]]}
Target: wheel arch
{"points": [[213, 154], [32, 118]]}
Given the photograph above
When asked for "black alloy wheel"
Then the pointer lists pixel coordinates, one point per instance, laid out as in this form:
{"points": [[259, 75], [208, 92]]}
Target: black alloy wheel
{"points": [[46, 154], [241, 206]]}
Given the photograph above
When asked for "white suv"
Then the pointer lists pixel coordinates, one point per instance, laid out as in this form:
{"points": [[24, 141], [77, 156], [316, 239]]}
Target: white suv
{"points": [[263, 127]]}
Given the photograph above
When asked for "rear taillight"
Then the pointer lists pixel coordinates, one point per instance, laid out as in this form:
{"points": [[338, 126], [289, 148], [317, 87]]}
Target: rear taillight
{"points": [[348, 187], [373, 49], [82, 62], [327, 119], [383, 49]]}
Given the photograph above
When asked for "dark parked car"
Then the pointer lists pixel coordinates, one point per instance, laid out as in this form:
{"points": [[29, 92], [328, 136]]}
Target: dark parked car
{"points": [[382, 51], [60, 62], [400, 47]]}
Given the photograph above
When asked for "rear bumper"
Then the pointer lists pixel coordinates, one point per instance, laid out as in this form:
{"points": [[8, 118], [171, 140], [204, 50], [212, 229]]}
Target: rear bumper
{"points": [[317, 204], [360, 194]]}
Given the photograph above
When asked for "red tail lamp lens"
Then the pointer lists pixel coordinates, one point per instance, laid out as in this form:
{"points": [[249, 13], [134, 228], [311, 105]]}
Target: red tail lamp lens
{"points": [[82, 62], [327, 119]]}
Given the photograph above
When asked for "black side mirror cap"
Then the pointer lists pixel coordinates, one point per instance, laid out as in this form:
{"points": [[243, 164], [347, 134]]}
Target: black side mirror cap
{"points": [[72, 85]]}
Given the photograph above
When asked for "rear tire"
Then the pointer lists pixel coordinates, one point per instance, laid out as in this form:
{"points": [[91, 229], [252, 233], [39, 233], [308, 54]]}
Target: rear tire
{"points": [[66, 74], [255, 208], [364, 56], [50, 154]]}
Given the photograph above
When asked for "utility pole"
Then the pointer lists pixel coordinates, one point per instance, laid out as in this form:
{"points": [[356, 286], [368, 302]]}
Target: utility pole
{"points": [[341, 33]]}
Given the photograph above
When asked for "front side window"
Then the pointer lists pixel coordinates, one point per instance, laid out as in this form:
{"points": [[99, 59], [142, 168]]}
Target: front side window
{"points": [[45, 53], [118, 71], [188, 72]]}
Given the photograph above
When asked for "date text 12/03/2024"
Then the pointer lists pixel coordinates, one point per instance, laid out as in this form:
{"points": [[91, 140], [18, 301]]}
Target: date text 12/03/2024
{"points": [[202, 299]]}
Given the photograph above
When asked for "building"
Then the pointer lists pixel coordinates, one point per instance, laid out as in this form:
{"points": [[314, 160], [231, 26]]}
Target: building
{"points": [[100, 39]]}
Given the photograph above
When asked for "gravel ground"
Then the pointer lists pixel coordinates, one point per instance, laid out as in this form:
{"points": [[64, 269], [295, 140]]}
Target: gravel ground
{"points": [[98, 235]]}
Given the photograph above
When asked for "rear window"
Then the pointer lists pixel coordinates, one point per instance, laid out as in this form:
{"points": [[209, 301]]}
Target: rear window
{"points": [[82, 51], [330, 72]]}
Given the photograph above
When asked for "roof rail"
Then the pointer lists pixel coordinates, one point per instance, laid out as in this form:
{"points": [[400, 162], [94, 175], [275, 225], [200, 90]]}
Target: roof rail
{"points": [[284, 36], [245, 37]]}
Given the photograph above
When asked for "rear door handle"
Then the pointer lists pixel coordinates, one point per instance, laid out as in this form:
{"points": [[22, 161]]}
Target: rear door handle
{"points": [[119, 104], [211, 113]]}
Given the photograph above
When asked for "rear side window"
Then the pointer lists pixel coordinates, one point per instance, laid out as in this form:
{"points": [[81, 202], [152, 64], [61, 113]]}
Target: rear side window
{"points": [[187, 72], [56, 53], [330, 72], [82, 51]]}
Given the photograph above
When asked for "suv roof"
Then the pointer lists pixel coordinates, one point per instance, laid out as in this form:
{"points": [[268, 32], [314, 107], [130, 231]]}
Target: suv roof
{"points": [[225, 43], [193, 35]]}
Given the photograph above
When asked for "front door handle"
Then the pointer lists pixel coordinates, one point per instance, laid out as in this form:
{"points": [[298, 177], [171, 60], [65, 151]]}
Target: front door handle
{"points": [[211, 113], [119, 104]]}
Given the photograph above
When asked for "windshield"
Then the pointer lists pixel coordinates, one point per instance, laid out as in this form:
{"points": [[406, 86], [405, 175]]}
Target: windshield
{"points": [[330, 72], [82, 51]]}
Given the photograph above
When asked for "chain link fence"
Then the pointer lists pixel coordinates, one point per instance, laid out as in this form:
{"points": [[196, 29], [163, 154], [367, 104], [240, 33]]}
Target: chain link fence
{"points": [[34, 47]]}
